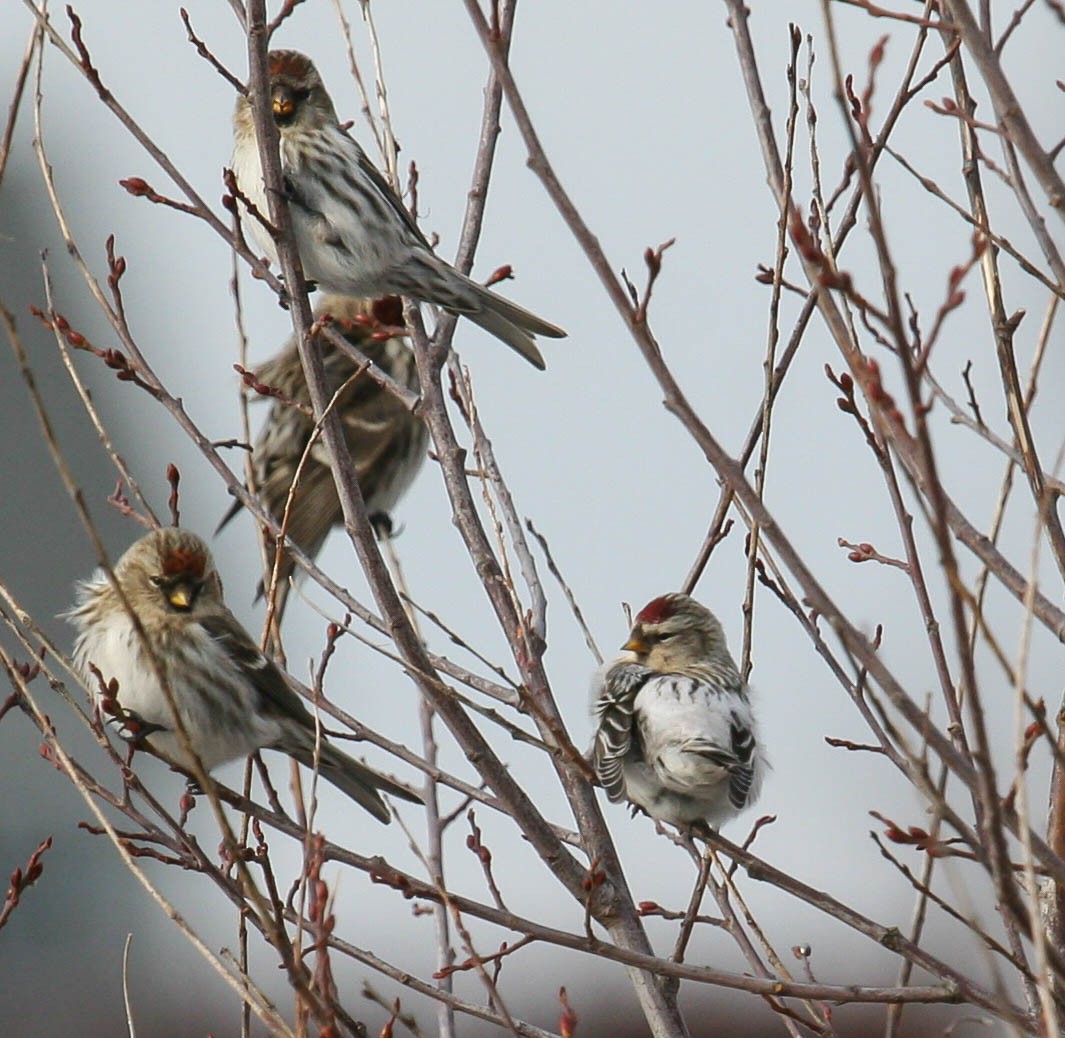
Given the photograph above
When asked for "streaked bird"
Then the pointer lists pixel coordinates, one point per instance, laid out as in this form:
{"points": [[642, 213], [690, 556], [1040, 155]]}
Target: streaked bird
{"points": [[675, 733], [386, 441], [232, 700], [353, 234]]}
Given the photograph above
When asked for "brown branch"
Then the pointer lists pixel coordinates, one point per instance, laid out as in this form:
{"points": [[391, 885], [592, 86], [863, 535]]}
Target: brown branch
{"points": [[21, 76], [1008, 108]]}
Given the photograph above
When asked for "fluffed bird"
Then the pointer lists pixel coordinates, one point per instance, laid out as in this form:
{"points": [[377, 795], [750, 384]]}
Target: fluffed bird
{"points": [[353, 234], [675, 732], [232, 699]]}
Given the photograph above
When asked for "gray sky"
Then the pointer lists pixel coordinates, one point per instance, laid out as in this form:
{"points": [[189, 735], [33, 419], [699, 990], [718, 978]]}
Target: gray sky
{"points": [[641, 109]]}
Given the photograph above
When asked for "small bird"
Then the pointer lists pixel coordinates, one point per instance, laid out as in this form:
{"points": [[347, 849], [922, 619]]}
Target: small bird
{"points": [[386, 441], [676, 735], [232, 699], [353, 234]]}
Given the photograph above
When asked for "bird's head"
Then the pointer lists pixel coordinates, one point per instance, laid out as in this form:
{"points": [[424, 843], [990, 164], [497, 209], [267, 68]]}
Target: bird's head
{"points": [[169, 571], [673, 634], [297, 96]]}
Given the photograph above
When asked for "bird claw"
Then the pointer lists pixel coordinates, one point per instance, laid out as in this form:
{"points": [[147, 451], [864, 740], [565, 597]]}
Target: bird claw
{"points": [[284, 300], [382, 525]]}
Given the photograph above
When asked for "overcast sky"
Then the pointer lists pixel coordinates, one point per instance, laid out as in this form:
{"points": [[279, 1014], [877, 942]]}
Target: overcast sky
{"points": [[641, 108]]}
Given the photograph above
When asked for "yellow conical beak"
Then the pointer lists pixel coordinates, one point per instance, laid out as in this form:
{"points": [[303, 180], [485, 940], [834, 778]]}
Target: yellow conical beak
{"points": [[636, 644], [180, 596]]}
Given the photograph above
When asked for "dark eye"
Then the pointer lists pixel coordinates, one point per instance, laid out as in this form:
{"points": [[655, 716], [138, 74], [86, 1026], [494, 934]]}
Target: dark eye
{"points": [[300, 95], [156, 581]]}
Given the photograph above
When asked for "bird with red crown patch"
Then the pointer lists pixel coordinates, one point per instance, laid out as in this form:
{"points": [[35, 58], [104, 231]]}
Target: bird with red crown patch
{"points": [[354, 235], [162, 639], [676, 735]]}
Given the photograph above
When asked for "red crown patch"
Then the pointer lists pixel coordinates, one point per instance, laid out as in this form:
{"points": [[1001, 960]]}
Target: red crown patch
{"points": [[184, 562], [289, 63], [656, 610]]}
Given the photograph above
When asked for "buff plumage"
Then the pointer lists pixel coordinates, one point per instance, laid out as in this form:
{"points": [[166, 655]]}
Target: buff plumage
{"points": [[386, 441], [232, 699]]}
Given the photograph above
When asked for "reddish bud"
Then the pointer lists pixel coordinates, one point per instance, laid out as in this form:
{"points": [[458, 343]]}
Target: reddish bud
{"points": [[136, 186], [568, 1019], [594, 878], [876, 55]]}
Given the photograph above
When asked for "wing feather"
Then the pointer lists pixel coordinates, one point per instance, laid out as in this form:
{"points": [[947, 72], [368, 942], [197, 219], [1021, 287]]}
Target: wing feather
{"points": [[614, 711], [275, 694]]}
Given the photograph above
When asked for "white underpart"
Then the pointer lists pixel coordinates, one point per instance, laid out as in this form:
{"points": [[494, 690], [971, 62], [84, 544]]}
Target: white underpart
{"points": [[678, 719], [335, 247], [222, 718]]}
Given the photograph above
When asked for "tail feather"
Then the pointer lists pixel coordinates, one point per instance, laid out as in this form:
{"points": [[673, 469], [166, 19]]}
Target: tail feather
{"points": [[498, 316], [511, 323], [506, 331], [232, 511], [424, 276], [517, 315], [358, 781]]}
